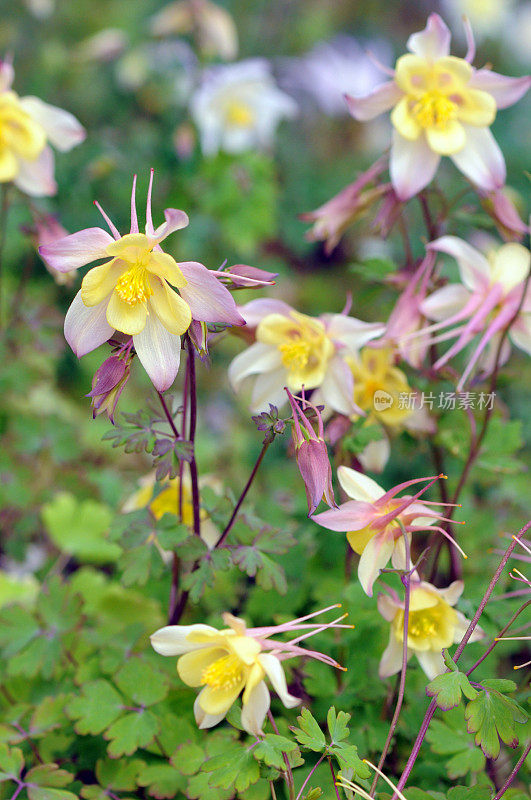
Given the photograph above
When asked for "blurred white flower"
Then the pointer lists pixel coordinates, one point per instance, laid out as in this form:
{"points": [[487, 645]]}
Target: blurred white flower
{"points": [[212, 26], [331, 69], [42, 9], [172, 62], [106, 45], [238, 106], [487, 17]]}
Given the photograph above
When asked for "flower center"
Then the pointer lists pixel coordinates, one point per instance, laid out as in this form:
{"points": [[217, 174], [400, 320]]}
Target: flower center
{"points": [[434, 110], [224, 673], [133, 286], [239, 114], [295, 354]]}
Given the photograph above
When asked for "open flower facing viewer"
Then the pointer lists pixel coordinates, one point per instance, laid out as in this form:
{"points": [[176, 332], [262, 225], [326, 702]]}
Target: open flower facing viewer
{"points": [[238, 659], [372, 520], [27, 124], [441, 106], [131, 292], [433, 625], [298, 351]]}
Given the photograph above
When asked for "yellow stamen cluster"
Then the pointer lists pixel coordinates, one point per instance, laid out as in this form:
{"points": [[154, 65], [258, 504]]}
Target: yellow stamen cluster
{"points": [[239, 114], [224, 673], [295, 354], [133, 287], [434, 110]]}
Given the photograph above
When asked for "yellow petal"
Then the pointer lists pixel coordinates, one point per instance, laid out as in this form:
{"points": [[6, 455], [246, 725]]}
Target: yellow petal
{"points": [[8, 166], [413, 75], [130, 247], [99, 282], [21, 134], [126, 318], [404, 121], [170, 308], [447, 140], [191, 666], [245, 647], [358, 540], [218, 701], [475, 107], [256, 674], [450, 73], [166, 267]]}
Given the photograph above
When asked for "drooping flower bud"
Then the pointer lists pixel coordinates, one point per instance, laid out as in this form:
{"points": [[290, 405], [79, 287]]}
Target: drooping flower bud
{"points": [[312, 455], [108, 383]]}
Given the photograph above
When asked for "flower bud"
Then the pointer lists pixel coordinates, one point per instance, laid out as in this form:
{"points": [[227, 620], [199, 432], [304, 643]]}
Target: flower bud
{"points": [[107, 385]]}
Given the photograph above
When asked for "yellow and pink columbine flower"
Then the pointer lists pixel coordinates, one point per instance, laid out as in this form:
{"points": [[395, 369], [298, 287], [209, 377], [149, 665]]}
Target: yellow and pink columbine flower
{"points": [[301, 352], [132, 291], [488, 299], [27, 124], [372, 520], [237, 660], [441, 106], [433, 625]]}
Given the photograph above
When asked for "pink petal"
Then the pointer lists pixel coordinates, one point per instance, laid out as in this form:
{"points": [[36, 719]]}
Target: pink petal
{"points": [[175, 221], [433, 42], [481, 159], [36, 178], [412, 165], [77, 249], [473, 266], [86, 328], [7, 74], [62, 129], [445, 302], [381, 99], [159, 352], [208, 299], [350, 516], [505, 90], [254, 311]]}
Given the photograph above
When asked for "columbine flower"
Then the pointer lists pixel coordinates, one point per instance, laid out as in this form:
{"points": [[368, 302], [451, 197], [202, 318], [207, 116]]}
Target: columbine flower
{"points": [[311, 454], [433, 626], [378, 385], [294, 350], [174, 495], [46, 230], [238, 107], [109, 382], [27, 124], [131, 292], [441, 106], [371, 519], [234, 660], [486, 302]]}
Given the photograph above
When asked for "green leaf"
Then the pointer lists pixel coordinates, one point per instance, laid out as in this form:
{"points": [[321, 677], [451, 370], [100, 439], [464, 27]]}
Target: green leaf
{"points": [[199, 788], [17, 628], [469, 793], [17, 590], [140, 681], [48, 793], [188, 758], [49, 775], [162, 780], [79, 529], [134, 730], [337, 725], [48, 715], [271, 749], [348, 758], [492, 716], [450, 738], [235, 767], [118, 775], [309, 734], [499, 685], [448, 687], [170, 532], [98, 705], [11, 763], [213, 562]]}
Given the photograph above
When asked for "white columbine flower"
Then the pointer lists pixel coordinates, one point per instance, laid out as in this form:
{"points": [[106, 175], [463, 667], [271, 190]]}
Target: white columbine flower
{"points": [[27, 124], [238, 106]]}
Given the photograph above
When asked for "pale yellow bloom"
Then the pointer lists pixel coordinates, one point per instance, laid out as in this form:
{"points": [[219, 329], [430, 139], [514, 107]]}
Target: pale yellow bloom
{"points": [[433, 625], [378, 385]]}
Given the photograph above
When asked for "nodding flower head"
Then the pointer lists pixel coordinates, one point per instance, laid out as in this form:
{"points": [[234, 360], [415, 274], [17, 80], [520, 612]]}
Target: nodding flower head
{"points": [[236, 660], [311, 453], [373, 520]]}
